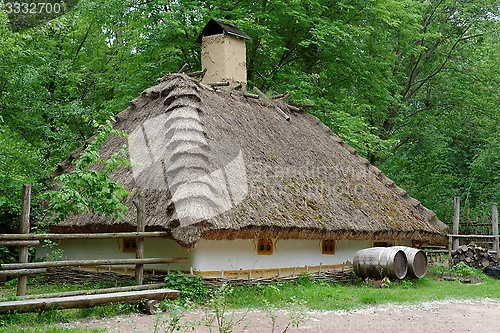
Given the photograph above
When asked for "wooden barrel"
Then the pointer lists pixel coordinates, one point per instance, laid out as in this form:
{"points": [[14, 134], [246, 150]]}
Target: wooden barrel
{"points": [[380, 262], [417, 261]]}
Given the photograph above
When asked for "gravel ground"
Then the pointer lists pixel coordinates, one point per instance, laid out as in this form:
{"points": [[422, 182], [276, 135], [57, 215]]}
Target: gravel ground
{"points": [[454, 316]]}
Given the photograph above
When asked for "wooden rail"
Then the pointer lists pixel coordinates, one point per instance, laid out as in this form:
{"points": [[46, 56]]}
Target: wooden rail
{"points": [[25, 239], [62, 263], [472, 236], [95, 291], [20, 243]]}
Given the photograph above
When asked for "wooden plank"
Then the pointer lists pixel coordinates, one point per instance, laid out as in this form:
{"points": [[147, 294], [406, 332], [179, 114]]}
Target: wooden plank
{"points": [[62, 263], [83, 301], [456, 221], [95, 291], [24, 228], [103, 235]]}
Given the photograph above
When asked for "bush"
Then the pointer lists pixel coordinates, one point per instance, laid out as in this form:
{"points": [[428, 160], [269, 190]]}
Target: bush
{"points": [[191, 288], [462, 269]]}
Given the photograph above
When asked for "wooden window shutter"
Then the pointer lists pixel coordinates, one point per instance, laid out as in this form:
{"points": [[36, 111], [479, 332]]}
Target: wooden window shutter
{"points": [[265, 246], [129, 245], [328, 246]]}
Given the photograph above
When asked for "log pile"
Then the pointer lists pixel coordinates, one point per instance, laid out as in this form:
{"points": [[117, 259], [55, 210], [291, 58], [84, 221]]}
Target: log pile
{"points": [[474, 256]]}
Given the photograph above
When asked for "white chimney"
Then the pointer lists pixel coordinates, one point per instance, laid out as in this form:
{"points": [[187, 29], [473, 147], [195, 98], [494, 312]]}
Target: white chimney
{"points": [[223, 53]]}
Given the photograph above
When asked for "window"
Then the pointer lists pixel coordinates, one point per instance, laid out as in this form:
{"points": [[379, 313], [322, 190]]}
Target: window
{"points": [[265, 246], [328, 246], [129, 245]]}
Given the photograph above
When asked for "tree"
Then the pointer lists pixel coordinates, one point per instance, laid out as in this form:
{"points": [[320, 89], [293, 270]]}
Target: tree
{"points": [[412, 85], [87, 188]]}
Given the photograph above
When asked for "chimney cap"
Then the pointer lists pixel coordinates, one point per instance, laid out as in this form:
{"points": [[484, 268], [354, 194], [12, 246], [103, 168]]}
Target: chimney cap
{"points": [[216, 27]]}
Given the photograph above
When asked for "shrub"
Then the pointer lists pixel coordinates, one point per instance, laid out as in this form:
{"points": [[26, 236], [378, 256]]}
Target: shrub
{"points": [[191, 288], [462, 269]]}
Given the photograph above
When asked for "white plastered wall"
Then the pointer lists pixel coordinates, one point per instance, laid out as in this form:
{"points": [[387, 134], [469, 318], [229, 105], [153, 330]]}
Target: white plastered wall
{"points": [[236, 254], [224, 57], [75, 249], [209, 255]]}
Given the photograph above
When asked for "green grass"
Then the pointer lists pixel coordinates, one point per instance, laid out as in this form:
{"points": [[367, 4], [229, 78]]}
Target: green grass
{"points": [[304, 293], [44, 321], [317, 295], [40, 285], [329, 296]]}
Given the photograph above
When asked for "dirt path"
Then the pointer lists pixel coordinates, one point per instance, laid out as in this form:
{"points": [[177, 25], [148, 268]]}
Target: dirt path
{"points": [[444, 316]]}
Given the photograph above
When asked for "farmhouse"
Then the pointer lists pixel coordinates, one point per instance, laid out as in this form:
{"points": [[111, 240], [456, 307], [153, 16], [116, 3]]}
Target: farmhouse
{"points": [[243, 183]]}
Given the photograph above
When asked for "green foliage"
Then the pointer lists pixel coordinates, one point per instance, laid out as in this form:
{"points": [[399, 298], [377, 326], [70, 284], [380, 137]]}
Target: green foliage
{"points": [[7, 256], [304, 280], [412, 85], [436, 270], [462, 269], [17, 158], [87, 188], [191, 288], [485, 178]]}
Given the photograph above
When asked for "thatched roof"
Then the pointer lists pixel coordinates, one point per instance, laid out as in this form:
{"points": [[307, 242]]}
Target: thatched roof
{"points": [[217, 165]]}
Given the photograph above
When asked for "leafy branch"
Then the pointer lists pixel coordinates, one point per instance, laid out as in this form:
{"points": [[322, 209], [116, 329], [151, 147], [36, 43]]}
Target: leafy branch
{"points": [[87, 188]]}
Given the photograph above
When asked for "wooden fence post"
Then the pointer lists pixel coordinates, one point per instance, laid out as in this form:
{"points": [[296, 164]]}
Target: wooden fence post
{"points": [[450, 246], [24, 228], [139, 242], [456, 221], [494, 227]]}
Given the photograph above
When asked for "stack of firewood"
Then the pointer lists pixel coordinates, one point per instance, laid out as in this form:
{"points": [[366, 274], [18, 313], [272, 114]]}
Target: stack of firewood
{"points": [[474, 256]]}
